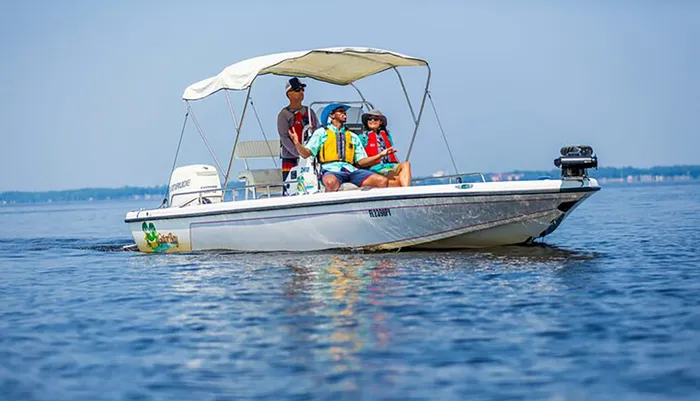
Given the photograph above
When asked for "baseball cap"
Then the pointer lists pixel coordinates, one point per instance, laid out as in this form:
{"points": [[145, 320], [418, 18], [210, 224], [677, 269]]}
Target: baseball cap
{"points": [[294, 83]]}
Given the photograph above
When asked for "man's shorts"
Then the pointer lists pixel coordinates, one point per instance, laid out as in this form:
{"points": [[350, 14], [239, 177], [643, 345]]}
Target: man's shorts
{"points": [[383, 168], [357, 177]]}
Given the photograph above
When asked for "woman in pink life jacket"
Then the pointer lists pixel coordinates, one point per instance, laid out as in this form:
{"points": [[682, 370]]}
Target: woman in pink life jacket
{"points": [[375, 139]]}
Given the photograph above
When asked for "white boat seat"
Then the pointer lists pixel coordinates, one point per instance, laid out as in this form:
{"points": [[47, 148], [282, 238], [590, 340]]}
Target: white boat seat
{"points": [[255, 149], [354, 115], [260, 149], [262, 176]]}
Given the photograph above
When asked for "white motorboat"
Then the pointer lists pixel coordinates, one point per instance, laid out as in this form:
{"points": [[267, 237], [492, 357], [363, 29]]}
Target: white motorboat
{"points": [[199, 213]]}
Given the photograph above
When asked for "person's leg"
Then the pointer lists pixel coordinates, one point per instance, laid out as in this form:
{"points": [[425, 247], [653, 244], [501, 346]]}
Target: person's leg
{"points": [[375, 180], [393, 178], [404, 172], [398, 175], [366, 178], [332, 181]]}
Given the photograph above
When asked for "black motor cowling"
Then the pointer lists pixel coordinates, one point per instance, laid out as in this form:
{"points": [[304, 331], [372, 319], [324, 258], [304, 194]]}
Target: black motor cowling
{"points": [[575, 160]]}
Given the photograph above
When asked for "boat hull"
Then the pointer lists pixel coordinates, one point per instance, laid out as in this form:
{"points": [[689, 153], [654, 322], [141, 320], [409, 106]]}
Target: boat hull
{"points": [[437, 217]]}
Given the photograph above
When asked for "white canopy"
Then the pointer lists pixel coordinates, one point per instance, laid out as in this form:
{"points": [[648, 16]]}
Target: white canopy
{"points": [[337, 65]]}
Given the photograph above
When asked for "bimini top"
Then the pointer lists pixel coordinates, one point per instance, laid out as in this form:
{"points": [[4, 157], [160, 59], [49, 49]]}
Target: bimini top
{"points": [[336, 65]]}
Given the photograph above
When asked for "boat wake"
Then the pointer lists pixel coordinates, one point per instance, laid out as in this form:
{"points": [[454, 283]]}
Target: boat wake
{"points": [[48, 243], [536, 252]]}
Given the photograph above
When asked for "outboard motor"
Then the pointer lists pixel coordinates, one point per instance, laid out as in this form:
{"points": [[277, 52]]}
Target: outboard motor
{"points": [[196, 184], [575, 160]]}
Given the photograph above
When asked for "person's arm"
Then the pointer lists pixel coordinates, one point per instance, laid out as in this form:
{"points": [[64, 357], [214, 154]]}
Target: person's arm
{"points": [[312, 146], [301, 149], [361, 158], [283, 130], [370, 160]]}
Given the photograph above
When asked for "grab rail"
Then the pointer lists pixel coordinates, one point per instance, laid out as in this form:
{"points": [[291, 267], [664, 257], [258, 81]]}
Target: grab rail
{"points": [[271, 188], [269, 192], [457, 177]]}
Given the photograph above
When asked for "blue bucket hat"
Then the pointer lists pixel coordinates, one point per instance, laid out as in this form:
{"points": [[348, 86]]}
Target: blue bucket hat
{"points": [[328, 110]]}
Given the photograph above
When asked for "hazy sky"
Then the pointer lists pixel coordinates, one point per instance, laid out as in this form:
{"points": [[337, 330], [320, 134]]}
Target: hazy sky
{"points": [[92, 90]]}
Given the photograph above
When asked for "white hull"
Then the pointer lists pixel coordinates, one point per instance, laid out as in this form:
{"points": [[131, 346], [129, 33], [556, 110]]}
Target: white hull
{"points": [[439, 216]]}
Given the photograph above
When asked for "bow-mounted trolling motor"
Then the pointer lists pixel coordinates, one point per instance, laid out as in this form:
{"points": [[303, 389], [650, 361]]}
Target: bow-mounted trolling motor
{"points": [[575, 160]]}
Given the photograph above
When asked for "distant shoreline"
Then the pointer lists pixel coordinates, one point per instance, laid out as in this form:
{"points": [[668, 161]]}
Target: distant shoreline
{"points": [[605, 175]]}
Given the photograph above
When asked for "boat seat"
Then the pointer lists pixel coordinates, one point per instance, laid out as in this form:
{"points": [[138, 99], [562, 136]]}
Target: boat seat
{"points": [[356, 128], [262, 176], [260, 149], [348, 186], [257, 149], [354, 115]]}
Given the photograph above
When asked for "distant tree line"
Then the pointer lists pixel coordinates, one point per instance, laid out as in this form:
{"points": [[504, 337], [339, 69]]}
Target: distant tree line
{"points": [[665, 171], [84, 194], [98, 194], [692, 171]]}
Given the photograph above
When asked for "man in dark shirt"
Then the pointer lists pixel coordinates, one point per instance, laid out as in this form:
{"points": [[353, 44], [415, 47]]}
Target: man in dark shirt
{"points": [[291, 120]]}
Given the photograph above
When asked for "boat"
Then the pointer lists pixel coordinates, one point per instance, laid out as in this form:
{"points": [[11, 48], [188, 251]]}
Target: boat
{"points": [[203, 212]]}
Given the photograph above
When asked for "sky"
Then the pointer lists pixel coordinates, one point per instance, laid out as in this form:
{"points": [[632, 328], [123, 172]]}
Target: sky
{"points": [[92, 90]]}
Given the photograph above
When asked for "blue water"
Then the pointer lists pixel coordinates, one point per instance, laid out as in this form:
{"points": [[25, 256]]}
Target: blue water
{"points": [[607, 308]]}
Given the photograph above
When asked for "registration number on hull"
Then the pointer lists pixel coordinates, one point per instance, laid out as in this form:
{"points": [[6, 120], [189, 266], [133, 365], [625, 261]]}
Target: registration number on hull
{"points": [[379, 212]]}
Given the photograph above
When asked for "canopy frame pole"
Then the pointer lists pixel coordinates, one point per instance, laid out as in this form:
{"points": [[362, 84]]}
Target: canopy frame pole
{"points": [[405, 93], [358, 92], [177, 152], [238, 134], [444, 137], [267, 143], [230, 109], [420, 112], [204, 138]]}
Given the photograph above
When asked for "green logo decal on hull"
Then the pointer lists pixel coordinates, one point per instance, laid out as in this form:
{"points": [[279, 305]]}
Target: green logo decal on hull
{"points": [[157, 241]]}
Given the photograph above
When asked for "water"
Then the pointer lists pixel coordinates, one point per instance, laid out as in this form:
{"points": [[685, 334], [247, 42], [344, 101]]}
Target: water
{"points": [[607, 308]]}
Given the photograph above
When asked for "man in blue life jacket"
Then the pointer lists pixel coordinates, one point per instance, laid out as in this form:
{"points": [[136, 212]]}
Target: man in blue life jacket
{"points": [[338, 149]]}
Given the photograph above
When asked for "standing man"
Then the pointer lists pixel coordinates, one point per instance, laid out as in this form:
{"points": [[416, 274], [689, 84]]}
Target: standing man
{"points": [[291, 120], [338, 149]]}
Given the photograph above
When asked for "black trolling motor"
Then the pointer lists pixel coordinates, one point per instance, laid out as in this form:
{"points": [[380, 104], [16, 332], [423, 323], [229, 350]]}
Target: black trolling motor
{"points": [[575, 160]]}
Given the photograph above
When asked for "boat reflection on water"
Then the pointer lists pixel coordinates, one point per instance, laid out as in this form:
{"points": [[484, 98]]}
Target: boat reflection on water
{"points": [[355, 321], [352, 314], [350, 279], [340, 301]]}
